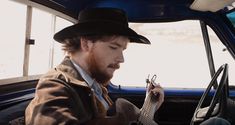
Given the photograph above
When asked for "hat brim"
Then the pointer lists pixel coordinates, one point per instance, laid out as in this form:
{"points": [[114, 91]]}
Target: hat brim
{"points": [[99, 28]]}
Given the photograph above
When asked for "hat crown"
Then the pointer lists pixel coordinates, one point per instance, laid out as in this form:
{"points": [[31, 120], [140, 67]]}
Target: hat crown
{"points": [[101, 21], [104, 15]]}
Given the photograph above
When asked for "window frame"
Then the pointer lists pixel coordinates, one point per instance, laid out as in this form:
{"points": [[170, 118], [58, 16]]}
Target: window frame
{"points": [[29, 41]]}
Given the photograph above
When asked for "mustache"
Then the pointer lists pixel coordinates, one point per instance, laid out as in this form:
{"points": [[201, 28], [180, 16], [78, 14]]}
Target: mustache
{"points": [[115, 66]]}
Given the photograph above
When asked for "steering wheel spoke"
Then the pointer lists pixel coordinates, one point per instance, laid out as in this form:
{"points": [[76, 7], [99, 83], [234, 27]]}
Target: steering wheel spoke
{"points": [[218, 103]]}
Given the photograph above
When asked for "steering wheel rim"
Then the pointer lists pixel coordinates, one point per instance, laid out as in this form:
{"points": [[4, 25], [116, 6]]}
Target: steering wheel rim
{"points": [[220, 96]]}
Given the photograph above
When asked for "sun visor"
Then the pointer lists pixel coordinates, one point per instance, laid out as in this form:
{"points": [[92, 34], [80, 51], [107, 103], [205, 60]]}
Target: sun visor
{"points": [[210, 5]]}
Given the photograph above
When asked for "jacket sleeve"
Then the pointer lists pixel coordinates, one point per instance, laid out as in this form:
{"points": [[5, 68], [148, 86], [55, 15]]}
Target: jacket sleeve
{"points": [[53, 105]]}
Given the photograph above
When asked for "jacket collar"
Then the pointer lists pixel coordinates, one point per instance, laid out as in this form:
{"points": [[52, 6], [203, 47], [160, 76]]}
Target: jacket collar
{"points": [[70, 73]]}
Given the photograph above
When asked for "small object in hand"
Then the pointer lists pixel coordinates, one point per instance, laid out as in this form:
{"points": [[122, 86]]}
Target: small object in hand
{"points": [[152, 82]]}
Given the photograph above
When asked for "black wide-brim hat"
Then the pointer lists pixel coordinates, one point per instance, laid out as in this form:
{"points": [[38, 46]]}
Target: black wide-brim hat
{"points": [[101, 21]]}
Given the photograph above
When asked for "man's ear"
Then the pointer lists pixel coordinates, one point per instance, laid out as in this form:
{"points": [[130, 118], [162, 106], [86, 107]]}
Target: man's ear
{"points": [[85, 44]]}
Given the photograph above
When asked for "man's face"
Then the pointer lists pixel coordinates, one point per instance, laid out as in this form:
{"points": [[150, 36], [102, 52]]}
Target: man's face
{"points": [[105, 57]]}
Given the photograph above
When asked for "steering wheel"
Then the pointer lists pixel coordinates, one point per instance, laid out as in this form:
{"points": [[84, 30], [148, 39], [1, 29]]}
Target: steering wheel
{"points": [[218, 104]]}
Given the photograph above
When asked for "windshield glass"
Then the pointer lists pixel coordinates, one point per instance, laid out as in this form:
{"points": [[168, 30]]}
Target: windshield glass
{"points": [[176, 55]]}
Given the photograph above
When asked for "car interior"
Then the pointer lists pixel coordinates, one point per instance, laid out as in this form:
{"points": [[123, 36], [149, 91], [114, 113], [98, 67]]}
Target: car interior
{"points": [[182, 105]]}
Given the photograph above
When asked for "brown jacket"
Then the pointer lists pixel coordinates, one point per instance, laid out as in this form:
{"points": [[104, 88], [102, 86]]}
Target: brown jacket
{"points": [[63, 98]]}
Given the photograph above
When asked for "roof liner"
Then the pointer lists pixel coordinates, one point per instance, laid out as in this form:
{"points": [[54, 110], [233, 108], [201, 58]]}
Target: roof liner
{"points": [[210, 5], [137, 10]]}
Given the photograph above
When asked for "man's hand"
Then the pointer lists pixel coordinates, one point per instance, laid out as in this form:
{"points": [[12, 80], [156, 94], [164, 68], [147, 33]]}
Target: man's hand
{"points": [[158, 93]]}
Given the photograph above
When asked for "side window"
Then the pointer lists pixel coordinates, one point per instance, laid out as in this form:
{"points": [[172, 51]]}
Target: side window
{"points": [[58, 53], [12, 23], [45, 53], [41, 32], [177, 56], [221, 55]]}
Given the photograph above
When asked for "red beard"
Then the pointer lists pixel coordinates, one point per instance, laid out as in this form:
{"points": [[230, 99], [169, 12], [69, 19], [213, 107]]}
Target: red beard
{"points": [[96, 73]]}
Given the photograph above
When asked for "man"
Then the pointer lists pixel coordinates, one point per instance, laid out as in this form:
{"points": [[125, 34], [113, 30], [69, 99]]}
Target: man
{"points": [[74, 92]]}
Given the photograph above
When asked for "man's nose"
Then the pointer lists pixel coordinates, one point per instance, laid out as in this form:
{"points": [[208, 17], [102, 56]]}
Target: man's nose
{"points": [[120, 58]]}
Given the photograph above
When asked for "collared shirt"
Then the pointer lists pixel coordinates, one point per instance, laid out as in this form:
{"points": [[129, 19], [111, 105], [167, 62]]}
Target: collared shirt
{"points": [[95, 86]]}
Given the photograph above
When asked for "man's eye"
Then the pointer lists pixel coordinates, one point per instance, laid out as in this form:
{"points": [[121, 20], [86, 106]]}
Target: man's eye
{"points": [[112, 47]]}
